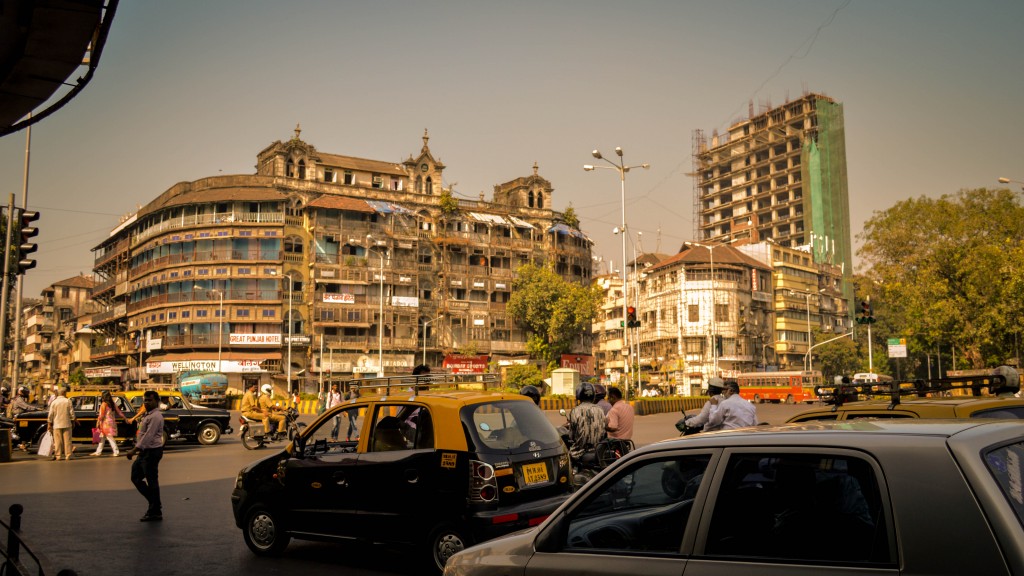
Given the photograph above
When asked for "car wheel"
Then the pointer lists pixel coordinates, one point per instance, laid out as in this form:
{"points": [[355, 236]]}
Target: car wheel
{"points": [[165, 437], [445, 541], [208, 434], [263, 532]]}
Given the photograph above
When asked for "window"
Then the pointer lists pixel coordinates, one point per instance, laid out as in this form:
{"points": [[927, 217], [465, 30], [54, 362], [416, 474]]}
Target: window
{"points": [[378, 181], [328, 175], [799, 507], [1006, 464], [65, 291], [242, 313], [349, 178], [645, 509], [336, 436], [693, 313], [721, 312], [269, 313], [201, 313]]}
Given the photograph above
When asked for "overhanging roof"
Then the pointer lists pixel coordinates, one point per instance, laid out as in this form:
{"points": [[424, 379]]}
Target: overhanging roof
{"points": [[43, 43]]}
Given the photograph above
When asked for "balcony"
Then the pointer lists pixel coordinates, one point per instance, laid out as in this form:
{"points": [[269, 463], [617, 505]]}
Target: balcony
{"points": [[210, 220]]}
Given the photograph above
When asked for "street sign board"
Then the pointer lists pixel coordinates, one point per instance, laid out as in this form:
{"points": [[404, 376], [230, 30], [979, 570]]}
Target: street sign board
{"points": [[897, 347]]}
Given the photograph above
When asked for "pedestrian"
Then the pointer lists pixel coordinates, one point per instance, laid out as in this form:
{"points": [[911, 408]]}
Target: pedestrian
{"points": [[733, 411], [149, 445], [59, 420], [700, 421], [620, 418], [334, 399], [106, 423], [353, 394]]}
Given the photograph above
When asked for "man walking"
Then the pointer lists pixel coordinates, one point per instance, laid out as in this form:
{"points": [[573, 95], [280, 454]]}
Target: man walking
{"points": [[149, 445], [733, 411], [59, 420], [334, 399]]}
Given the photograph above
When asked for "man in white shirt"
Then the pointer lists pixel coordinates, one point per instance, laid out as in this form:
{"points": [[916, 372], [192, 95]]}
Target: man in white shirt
{"points": [[59, 421], [733, 411]]}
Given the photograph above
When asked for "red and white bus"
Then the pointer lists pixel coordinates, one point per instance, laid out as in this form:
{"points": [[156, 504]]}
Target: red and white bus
{"points": [[789, 387]]}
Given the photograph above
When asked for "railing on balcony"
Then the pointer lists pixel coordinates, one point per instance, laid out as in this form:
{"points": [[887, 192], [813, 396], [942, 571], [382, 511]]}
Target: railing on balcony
{"points": [[205, 296], [210, 219]]}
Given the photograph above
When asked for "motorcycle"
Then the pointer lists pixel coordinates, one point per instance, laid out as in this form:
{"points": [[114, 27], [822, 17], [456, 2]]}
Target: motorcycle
{"points": [[596, 458], [254, 436]]}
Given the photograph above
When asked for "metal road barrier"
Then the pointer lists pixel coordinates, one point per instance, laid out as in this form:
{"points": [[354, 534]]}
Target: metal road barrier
{"points": [[18, 557]]}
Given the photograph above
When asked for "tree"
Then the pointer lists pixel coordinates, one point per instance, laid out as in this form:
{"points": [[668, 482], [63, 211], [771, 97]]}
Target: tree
{"points": [[554, 311], [570, 218], [448, 204], [949, 272], [837, 358], [519, 375]]}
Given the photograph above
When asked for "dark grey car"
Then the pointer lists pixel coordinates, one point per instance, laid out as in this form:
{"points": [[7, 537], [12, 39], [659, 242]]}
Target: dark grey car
{"points": [[855, 498]]}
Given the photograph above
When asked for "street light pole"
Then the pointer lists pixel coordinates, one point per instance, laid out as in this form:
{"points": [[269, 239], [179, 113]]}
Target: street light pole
{"points": [[220, 330], [621, 168], [288, 278], [380, 314], [714, 323], [810, 337], [425, 324]]}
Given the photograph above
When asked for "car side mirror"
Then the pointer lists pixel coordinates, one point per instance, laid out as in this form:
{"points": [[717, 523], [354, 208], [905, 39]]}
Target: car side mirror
{"points": [[299, 447]]}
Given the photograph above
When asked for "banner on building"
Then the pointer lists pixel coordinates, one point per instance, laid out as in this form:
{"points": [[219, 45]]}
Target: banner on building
{"points": [[465, 364], [255, 339], [105, 372], [331, 298], [582, 363], [233, 366]]}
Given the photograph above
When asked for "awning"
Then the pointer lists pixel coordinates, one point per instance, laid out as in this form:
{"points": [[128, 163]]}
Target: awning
{"points": [[563, 229], [488, 218], [519, 223], [388, 207], [225, 355]]}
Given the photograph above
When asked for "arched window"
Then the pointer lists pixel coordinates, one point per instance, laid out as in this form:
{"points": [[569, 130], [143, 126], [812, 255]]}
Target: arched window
{"points": [[540, 200], [289, 168], [530, 197], [419, 184], [293, 245], [430, 186], [302, 169]]}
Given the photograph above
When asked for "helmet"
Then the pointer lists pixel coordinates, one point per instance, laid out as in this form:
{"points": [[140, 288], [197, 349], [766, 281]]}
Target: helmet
{"points": [[23, 391], [715, 385], [267, 389], [586, 392], [599, 391], [531, 391], [5, 390]]}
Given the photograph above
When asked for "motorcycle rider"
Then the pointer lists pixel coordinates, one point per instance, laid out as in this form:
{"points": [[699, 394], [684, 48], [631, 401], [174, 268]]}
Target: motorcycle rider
{"points": [[269, 407], [531, 391], [250, 404], [5, 398], [586, 424], [701, 421], [18, 405], [600, 398]]}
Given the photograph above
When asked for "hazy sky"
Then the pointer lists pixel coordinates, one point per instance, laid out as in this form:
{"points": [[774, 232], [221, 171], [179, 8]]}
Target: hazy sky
{"points": [[932, 93]]}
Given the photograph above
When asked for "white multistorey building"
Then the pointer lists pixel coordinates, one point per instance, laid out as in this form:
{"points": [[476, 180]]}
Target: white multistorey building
{"points": [[701, 318]]}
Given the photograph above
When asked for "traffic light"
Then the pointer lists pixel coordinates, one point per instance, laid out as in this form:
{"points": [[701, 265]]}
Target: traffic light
{"points": [[26, 232], [631, 320], [866, 315]]}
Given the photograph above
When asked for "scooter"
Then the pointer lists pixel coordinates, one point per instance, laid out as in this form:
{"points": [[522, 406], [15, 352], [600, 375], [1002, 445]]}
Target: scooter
{"points": [[254, 436]]}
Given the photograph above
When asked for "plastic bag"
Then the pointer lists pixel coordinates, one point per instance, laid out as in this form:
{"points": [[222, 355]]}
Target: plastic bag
{"points": [[96, 436]]}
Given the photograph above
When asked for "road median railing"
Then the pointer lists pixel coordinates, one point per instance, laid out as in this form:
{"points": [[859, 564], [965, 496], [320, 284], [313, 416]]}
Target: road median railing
{"points": [[18, 557]]}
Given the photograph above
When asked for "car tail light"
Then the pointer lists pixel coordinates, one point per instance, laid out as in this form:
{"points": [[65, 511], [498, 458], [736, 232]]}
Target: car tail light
{"points": [[483, 486]]}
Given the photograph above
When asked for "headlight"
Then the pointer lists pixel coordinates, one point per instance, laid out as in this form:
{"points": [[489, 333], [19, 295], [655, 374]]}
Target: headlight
{"points": [[239, 484]]}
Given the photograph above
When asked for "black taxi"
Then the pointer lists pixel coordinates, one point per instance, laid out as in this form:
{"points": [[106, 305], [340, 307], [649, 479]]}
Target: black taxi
{"points": [[30, 426], [437, 469]]}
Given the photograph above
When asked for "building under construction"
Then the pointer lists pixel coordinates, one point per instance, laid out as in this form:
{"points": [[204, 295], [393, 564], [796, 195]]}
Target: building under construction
{"points": [[778, 176]]}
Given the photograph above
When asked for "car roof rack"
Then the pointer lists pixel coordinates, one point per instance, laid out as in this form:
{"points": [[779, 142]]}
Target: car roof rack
{"points": [[997, 381], [96, 388], [433, 382]]}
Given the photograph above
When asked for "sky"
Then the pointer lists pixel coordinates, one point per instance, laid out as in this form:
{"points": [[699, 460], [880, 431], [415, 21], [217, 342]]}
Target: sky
{"points": [[189, 89]]}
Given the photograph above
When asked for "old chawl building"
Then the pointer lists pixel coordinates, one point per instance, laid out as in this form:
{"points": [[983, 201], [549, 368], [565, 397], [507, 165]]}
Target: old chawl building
{"points": [[50, 329], [324, 265]]}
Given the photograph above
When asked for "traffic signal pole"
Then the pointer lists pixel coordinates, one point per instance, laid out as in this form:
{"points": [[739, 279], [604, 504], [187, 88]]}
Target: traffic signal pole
{"points": [[21, 277], [6, 286], [871, 364]]}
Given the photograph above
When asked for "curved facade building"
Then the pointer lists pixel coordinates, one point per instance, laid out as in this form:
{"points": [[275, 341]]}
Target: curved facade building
{"points": [[341, 264]]}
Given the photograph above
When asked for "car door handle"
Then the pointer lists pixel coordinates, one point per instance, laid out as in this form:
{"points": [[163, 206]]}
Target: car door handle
{"points": [[339, 479], [412, 476]]}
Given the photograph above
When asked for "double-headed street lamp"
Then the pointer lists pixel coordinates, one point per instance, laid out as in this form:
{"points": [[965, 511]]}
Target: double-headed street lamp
{"points": [[810, 341], [220, 325], [380, 314], [425, 324], [621, 168], [1008, 181], [714, 324]]}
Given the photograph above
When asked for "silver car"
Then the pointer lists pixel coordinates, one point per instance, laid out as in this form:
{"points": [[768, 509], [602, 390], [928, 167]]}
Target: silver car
{"points": [[882, 497]]}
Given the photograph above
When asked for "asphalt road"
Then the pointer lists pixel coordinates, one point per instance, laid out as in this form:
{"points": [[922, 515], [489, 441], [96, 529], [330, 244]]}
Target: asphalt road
{"points": [[84, 514]]}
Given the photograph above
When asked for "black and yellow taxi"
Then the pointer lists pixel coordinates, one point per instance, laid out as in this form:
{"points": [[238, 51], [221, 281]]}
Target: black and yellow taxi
{"points": [[195, 423], [85, 400], [985, 394], [437, 469]]}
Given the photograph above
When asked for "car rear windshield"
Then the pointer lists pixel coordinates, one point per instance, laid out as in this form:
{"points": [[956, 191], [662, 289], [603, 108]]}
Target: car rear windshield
{"points": [[1006, 464], [508, 425]]}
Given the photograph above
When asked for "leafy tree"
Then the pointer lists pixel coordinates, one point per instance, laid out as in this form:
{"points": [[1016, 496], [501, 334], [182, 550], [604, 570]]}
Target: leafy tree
{"points": [[77, 378], [519, 375], [949, 272], [570, 218], [448, 204], [837, 358], [554, 311]]}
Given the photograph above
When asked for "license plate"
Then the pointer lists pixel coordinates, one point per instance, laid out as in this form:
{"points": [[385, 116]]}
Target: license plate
{"points": [[535, 473]]}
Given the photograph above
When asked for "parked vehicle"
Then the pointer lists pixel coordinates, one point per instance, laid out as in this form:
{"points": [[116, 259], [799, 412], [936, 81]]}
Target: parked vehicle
{"points": [[206, 388], [867, 497], [254, 436], [435, 470], [195, 423]]}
